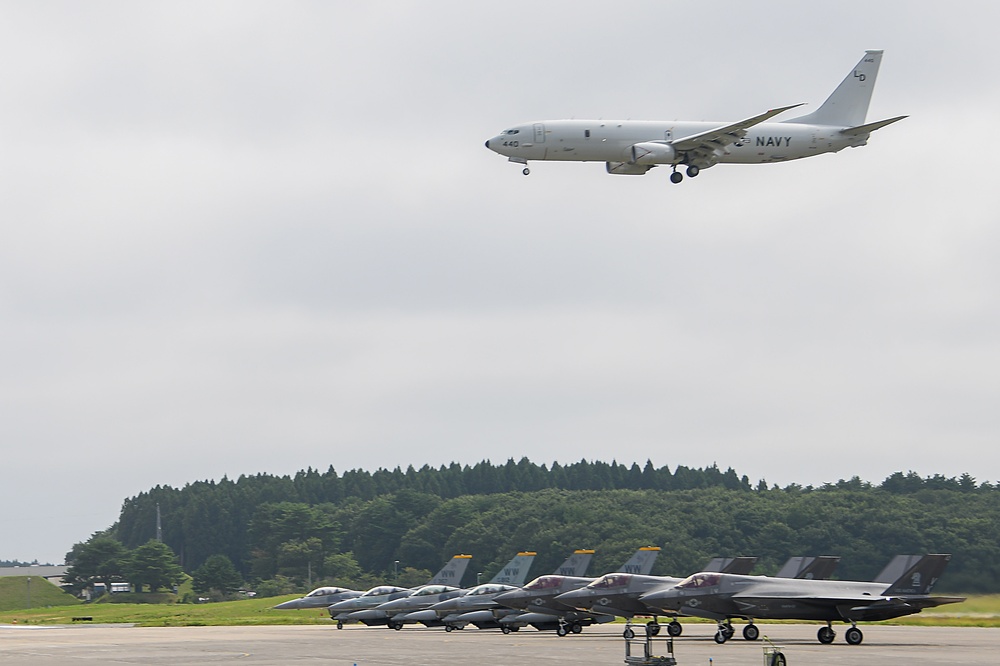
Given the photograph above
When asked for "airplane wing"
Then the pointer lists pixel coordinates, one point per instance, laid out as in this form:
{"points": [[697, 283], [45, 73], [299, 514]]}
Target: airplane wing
{"points": [[705, 148]]}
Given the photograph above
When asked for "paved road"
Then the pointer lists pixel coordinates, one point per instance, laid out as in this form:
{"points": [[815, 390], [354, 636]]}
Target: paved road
{"points": [[364, 646]]}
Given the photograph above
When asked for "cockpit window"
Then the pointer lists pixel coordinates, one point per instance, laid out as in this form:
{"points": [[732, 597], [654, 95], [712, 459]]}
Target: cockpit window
{"points": [[699, 580], [610, 580], [510, 131], [382, 589], [490, 588], [324, 591], [428, 590], [544, 583]]}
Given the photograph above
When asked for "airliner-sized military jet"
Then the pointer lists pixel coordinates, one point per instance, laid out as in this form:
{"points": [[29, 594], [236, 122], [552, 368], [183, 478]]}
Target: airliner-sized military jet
{"points": [[722, 597], [633, 147]]}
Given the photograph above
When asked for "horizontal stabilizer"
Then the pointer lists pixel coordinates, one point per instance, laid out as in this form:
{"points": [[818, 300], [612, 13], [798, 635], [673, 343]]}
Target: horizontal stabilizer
{"points": [[870, 127]]}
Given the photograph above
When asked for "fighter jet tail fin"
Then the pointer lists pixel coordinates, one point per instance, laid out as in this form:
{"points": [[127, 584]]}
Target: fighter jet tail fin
{"points": [[809, 568], [515, 572], [451, 573], [847, 106], [920, 578], [733, 565], [576, 564], [642, 562], [896, 567]]}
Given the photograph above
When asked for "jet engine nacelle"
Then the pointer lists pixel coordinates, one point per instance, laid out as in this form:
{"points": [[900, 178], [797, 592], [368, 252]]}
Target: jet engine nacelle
{"points": [[652, 152], [626, 169]]}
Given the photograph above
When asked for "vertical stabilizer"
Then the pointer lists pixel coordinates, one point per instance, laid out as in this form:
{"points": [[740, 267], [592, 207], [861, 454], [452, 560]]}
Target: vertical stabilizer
{"points": [[733, 565], [809, 568], [642, 562], [515, 572], [451, 573], [848, 105], [896, 567], [576, 564], [921, 577]]}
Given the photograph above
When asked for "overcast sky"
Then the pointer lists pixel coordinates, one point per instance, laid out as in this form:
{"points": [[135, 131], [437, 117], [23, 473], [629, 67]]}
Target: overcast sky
{"points": [[243, 237]]}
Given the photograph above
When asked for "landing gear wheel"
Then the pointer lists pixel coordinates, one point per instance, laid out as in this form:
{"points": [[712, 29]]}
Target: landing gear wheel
{"points": [[728, 630], [514, 628], [676, 177], [397, 626], [561, 630], [628, 633], [576, 627], [449, 628], [675, 628], [505, 629], [751, 632], [693, 171], [340, 624], [853, 636], [721, 637], [826, 635], [525, 171], [652, 628]]}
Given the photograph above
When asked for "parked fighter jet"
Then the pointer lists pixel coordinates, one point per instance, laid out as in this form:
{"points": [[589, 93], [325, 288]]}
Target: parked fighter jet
{"points": [[362, 609], [618, 594], [539, 597], [722, 597], [480, 609], [633, 147], [417, 606], [321, 597]]}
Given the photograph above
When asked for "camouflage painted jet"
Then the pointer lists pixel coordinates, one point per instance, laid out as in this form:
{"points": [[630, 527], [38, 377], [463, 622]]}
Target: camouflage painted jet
{"points": [[539, 598], [363, 608], [417, 606], [722, 597], [321, 597], [480, 609]]}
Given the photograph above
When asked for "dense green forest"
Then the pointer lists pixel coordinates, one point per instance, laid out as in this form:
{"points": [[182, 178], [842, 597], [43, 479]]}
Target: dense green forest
{"points": [[358, 524]]}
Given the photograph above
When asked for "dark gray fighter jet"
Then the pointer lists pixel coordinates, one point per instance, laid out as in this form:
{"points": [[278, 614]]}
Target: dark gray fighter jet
{"points": [[618, 594], [722, 597], [480, 609], [538, 598]]}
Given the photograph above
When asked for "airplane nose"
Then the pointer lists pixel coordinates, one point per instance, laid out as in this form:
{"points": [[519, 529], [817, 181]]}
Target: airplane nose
{"points": [[487, 143]]}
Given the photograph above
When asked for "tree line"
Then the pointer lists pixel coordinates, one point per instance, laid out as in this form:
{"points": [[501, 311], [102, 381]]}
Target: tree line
{"points": [[364, 527]]}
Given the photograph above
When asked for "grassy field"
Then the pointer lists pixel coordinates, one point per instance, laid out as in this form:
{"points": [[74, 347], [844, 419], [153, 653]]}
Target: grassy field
{"points": [[979, 611]]}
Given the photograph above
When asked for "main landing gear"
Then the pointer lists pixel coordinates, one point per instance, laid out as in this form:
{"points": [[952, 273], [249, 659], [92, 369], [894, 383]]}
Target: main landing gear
{"points": [[853, 636], [676, 176]]}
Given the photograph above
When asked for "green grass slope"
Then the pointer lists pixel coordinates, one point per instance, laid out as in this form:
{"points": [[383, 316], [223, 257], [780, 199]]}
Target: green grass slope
{"points": [[14, 593]]}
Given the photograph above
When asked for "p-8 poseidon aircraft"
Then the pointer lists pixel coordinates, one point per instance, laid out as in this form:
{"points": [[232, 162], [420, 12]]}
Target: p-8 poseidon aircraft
{"points": [[633, 147]]}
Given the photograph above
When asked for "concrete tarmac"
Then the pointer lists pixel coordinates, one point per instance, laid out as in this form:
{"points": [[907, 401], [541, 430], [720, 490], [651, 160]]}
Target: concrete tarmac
{"points": [[378, 646]]}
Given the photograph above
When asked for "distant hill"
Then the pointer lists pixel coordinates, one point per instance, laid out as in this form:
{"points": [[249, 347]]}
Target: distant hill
{"points": [[356, 525]]}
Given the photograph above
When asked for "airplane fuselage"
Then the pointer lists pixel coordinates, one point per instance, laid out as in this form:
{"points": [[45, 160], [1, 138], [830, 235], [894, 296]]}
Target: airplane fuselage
{"points": [[612, 140]]}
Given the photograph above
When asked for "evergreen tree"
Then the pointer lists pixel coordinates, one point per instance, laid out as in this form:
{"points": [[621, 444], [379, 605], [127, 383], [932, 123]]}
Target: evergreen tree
{"points": [[217, 573]]}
